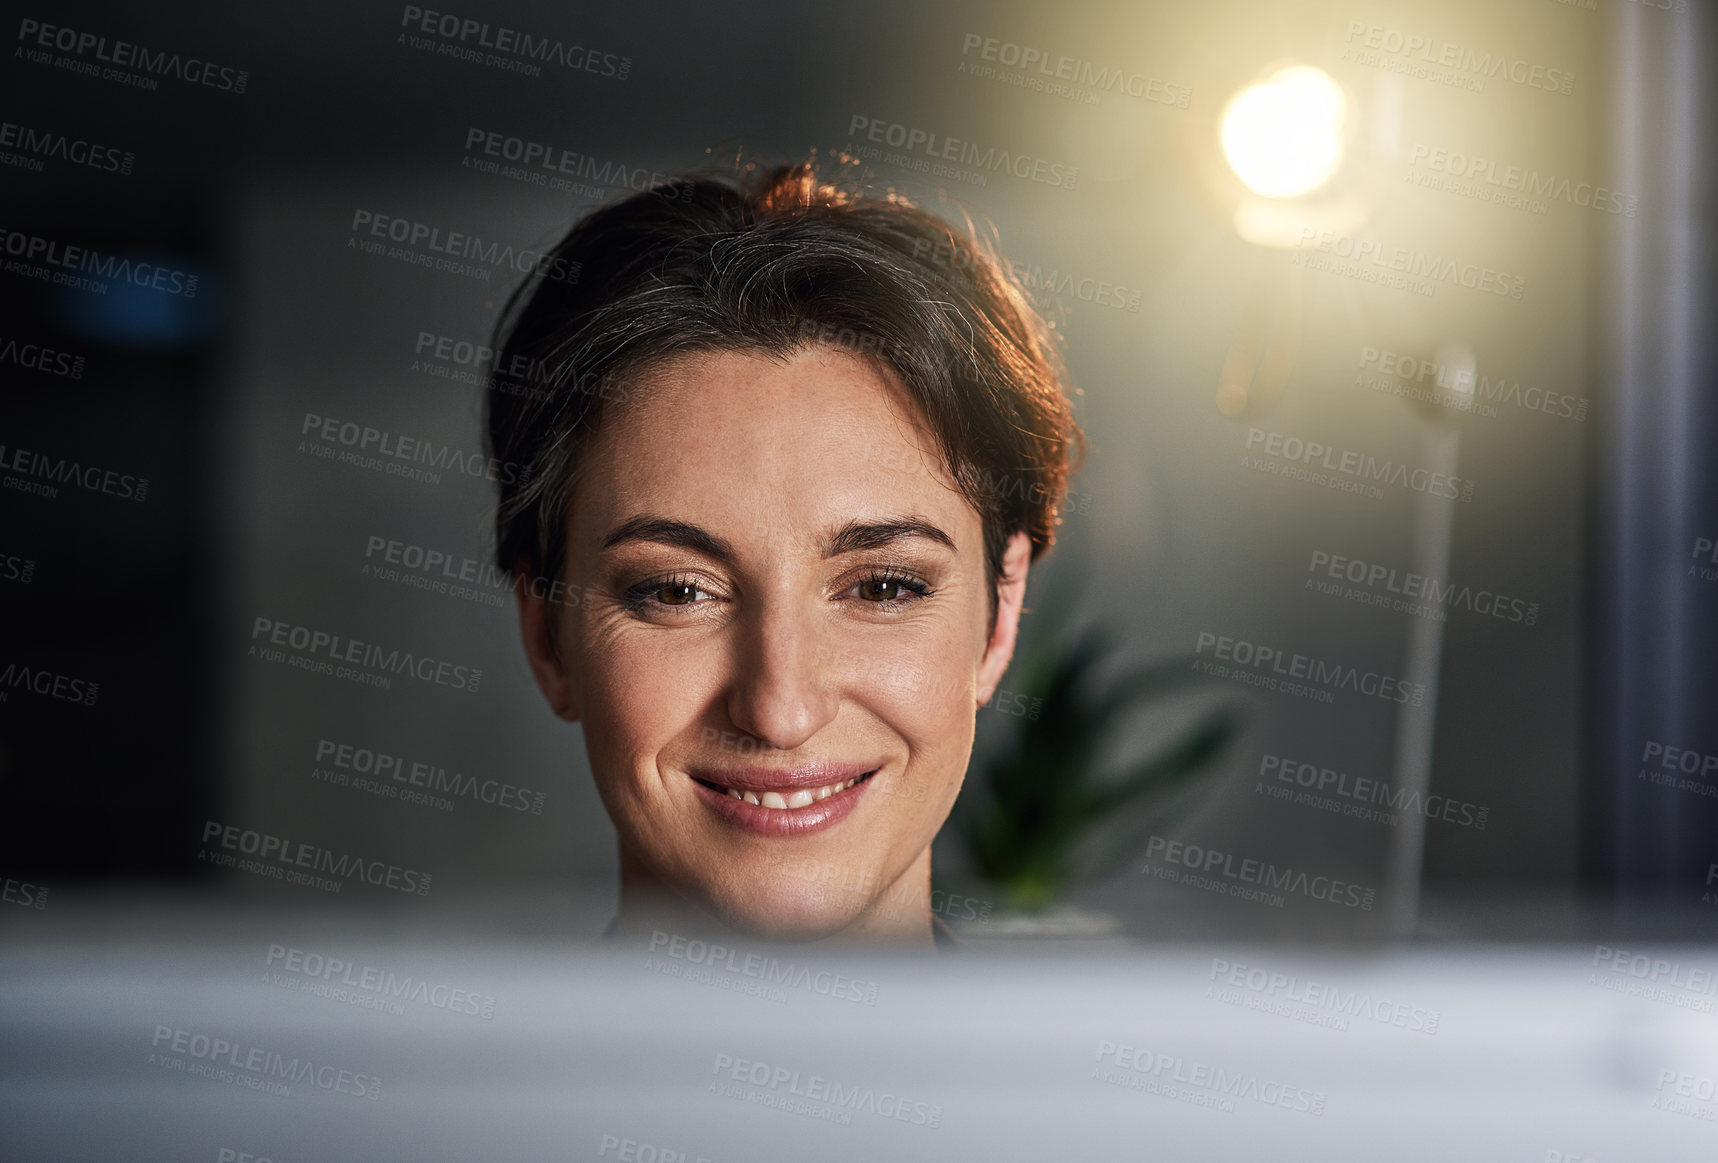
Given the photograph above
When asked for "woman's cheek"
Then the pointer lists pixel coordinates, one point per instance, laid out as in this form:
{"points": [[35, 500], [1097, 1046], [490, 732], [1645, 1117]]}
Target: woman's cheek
{"points": [[934, 717], [632, 700]]}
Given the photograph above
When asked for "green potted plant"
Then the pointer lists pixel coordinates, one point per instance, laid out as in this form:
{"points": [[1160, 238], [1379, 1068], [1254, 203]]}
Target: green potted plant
{"points": [[1042, 810]]}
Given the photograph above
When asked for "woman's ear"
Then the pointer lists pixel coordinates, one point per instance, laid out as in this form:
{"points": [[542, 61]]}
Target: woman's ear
{"points": [[538, 636], [1010, 599]]}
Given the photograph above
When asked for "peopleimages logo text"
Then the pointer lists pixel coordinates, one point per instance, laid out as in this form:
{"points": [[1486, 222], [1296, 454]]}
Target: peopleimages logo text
{"points": [[67, 471], [1361, 465], [1458, 385], [1159, 1067], [46, 144], [1324, 996], [36, 357], [717, 956], [346, 757], [409, 449], [265, 1063], [939, 147], [818, 1089], [336, 648], [127, 55], [1246, 870], [537, 155], [47, 683], [1421, 588], [1410, 263], [1325, 780], [457, 30], [1077, 70], [86, 260], [1657, 970], [1460, 58], [336, 971], [1336, 676], [279, 850], [459, 244], [1523, 179]]}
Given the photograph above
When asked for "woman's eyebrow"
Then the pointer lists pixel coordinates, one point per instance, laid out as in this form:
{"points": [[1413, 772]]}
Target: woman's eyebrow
{"points": [[860, 535], [853, 537], [670, 532]]}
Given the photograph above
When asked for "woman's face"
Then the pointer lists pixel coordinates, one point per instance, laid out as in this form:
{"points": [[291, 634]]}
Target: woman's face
{"points": [[779, 591]]}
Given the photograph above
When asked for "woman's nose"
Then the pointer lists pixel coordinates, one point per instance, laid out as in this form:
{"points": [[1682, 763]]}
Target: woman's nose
{"points": [[784, 689]]}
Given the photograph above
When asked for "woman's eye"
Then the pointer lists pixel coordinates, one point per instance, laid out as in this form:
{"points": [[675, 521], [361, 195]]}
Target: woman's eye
{"points": [[885, 589], [880, 589], [676, 594]]}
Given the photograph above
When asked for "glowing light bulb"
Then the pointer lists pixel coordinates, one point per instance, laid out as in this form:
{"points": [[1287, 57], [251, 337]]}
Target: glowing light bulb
{"points": [[1283, 136]]}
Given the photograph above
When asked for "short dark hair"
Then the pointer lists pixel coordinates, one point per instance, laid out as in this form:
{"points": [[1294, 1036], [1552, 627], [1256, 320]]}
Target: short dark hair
{"points": [[775, 261]]}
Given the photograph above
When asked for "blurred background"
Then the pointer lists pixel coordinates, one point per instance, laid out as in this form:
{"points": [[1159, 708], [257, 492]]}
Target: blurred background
{"points": [[1391, 566]]}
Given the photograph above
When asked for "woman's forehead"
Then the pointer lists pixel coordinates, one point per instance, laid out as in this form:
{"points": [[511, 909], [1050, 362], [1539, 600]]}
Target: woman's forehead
{"points": [[821, 435], [734, 411]]}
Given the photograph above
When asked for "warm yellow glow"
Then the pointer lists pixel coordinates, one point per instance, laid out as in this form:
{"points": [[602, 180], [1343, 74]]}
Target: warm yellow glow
{"points": [[1283, 137]]}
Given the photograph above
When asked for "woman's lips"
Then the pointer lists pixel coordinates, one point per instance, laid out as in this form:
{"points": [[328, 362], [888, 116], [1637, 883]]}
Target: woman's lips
{"points": [[825, 773], [788, 802]]}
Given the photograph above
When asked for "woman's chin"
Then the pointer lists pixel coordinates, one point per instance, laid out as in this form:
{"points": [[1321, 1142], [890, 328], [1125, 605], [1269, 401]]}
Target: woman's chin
{"points": [[841, 897]]}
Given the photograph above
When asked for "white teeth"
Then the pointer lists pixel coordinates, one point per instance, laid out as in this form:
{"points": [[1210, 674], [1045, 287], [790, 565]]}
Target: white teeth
{"points": [[803, 797]]}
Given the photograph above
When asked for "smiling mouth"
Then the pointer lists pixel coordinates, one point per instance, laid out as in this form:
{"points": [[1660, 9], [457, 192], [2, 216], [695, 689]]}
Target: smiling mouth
{"points": [[788, 798]]}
